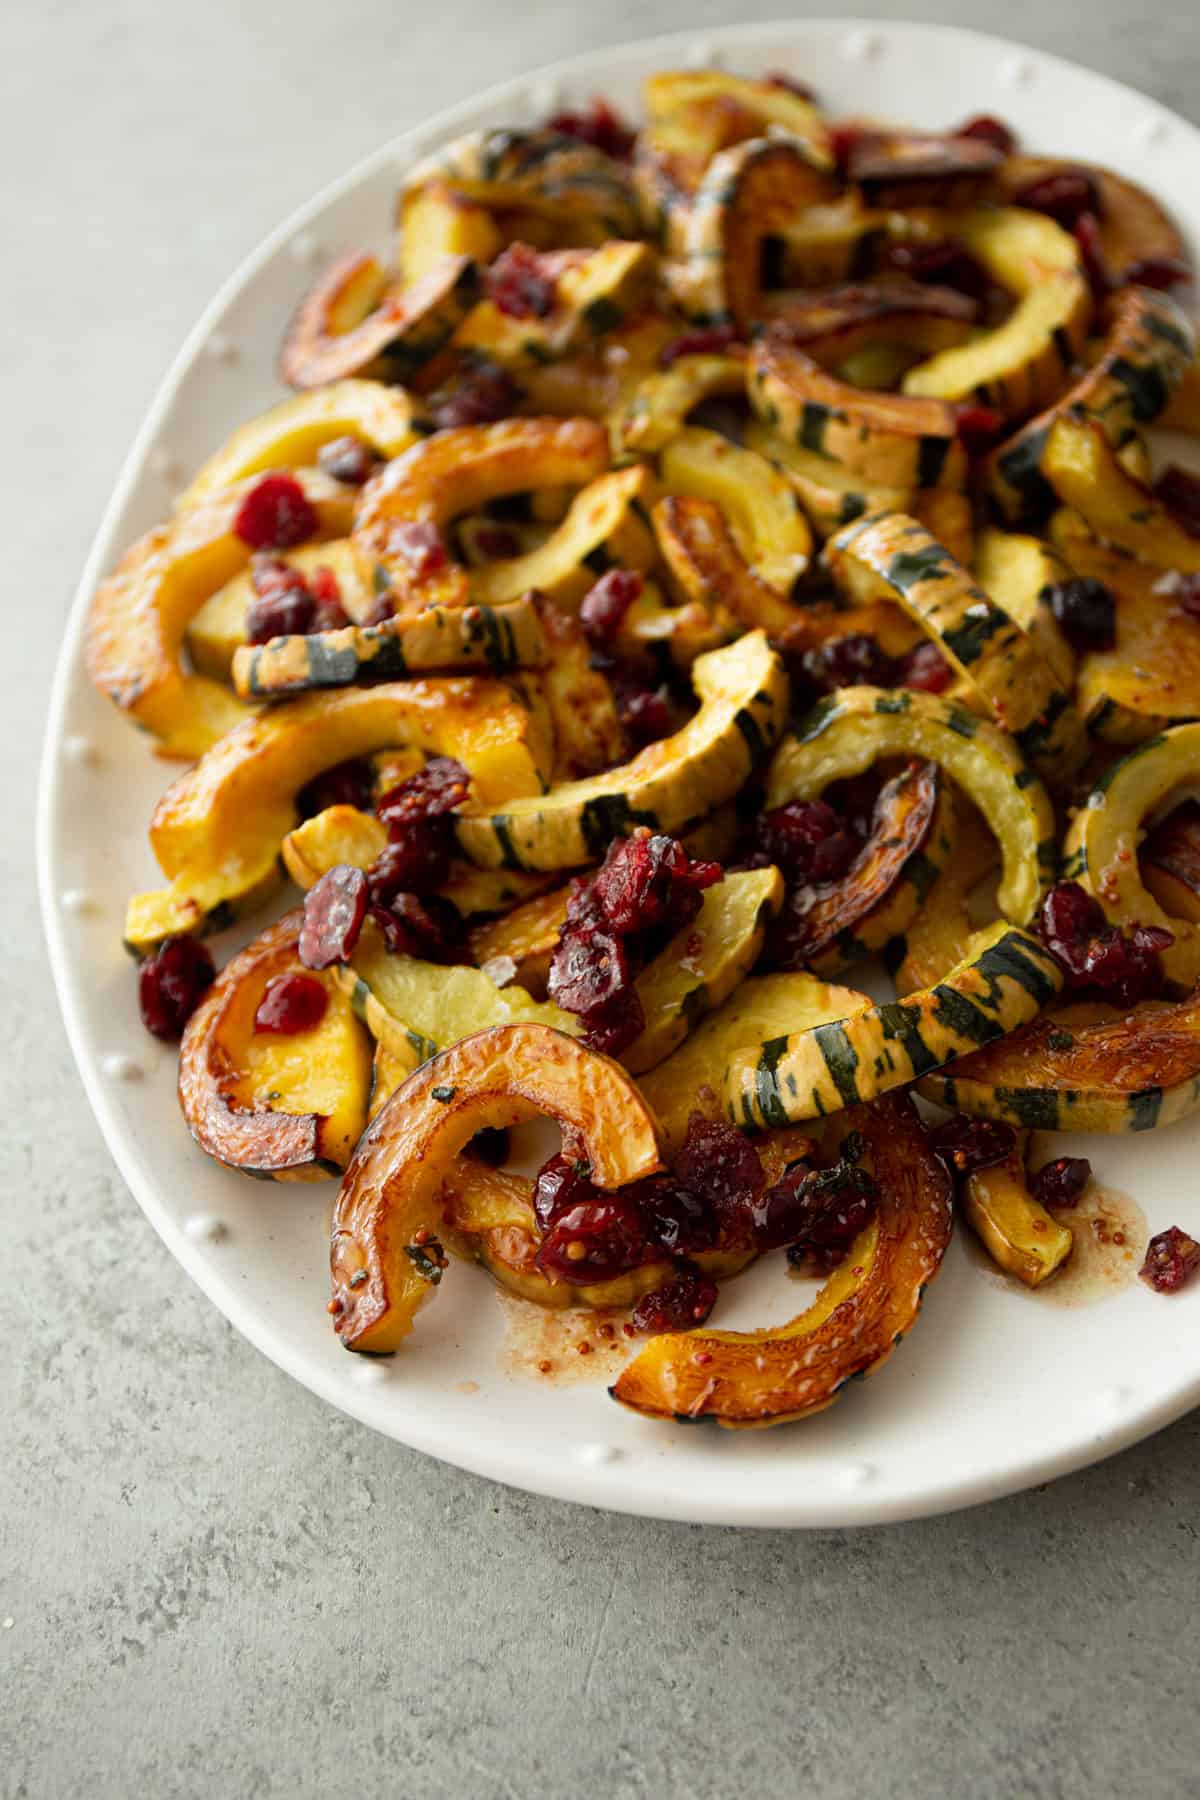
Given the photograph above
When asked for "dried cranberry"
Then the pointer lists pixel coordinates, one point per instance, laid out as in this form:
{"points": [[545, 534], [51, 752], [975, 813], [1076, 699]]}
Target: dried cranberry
{"points": [[172, 981], [291, 1003], [276, 514], [481, 395], [720, 1163], [334, 910], [965, 1144], [807, 840], [560, 1183], [1179, 491], [415, 862], [282, 605], [707, 340], [855, 660], [947, 262], [348, 459], [347, 784], [780, 1213], [595, 1240], [606, 603], [418, 543], [599, 125], [1087, 612], [1063, 195], [978, 428], [679, 1305], [1070, 919], [678, 1219], [1157, 272], [1172, 1259], [518, 284], [1096, 266], [926, 669], [1061, 1182], [831, 1207], [645, 715], [988, 130], [434, 790], [420, 925], [1126, 966], [614, 1024], [648, 880], [587, 969]]}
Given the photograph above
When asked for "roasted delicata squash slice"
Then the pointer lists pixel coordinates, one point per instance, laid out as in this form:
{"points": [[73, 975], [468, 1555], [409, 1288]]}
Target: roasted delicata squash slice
{"points": [[385, 1253], [436, 222], [523, 941], [864, 1309], [746, 195], [1026, 362], [910, 844], [743, 692], [1085, 1067], [856, 727], [585, 195], [888, 556], [1149, 346], [594, 291], [1018, 572], [768, 526], [288, 1108], [1083, 469], [940, 930], [577, 702], [602, 525], [417, 1008], [139, 615], [290, 434], [1150, 679], [898, 169], [708, 568], [1100, 848], [358, 320], [218, 829], [460, 471], [1004, 980], [839, 242], [655, 628], [833, 324], [1020, 1236], [1133, 226], [657, 409], [416, 641], [1170, 862], [884, 440]]}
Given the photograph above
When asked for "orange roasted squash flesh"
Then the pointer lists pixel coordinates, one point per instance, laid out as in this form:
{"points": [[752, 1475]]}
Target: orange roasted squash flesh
{"points": [[235, 1084], [769, 1377], [1170, 862], [386, 1257]]}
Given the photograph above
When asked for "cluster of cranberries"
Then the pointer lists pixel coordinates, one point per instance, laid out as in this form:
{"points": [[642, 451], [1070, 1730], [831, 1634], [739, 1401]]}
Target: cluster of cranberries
{"points": [[520, 284], [599, 125], [1072, 197], [478, 394], [287, 603], [858, 660], [646, 713], [647, 888], [1123, 966], [715, 1195]]}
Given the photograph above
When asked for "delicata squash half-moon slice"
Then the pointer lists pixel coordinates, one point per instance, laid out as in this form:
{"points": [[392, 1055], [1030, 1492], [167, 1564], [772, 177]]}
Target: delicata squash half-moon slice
{"points": [[1085, 1067], [1082, 467], [940, 930], [594, 292], [743, 691], [1149, 345], [139, 615], [217, 830], [358, 320], [456, 472], [385, 1254], [1133, 226], [889, 556], [601, 522], [864, 1309], [1004, 980], [707, 568], [285, 1107], [290, 434], [1027, 361], [585, 194], [657, 409], [834, 324], [767, 524], [856, 727], [745, 196], [1100, 849], [884, 440], [1021, 1237]]}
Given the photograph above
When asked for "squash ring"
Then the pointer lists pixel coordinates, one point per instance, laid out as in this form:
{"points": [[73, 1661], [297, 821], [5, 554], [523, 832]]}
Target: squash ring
{"points": [[356, 321]]}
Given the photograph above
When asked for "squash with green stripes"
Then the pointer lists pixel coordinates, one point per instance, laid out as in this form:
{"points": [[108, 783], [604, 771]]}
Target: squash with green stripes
{"points": [[856, 727], [357, 320], [1026, 362], [937, 936], [1146, 352], [1100, 848], [1082, 467], [595, 291], [882, 440], [768, 526], [218, 630], [747, 193], [708, 568], [743, 691], [891, 314], [842, 241], [1084, 1067], [584, 196], [606, 525], [507, 636], [862, 1312], [889, 556], [657, 409], [1004, 980]]}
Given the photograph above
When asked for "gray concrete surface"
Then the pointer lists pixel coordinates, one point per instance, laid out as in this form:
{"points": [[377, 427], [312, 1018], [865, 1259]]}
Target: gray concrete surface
{"points": [[211, 1585]]}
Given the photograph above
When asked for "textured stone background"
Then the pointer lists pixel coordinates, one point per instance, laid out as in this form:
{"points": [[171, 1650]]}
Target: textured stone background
{"points": [[209, 1583]]}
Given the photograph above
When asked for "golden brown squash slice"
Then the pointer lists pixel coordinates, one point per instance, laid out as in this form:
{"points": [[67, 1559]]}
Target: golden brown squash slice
{"points": [[658, 407], [938, 935], [290, 1108], [897, 169], [1082, 467], [601, 522], [1021, 1237], [357, 320], [385, 1253], [139, 615], [1134, 227], [833, 324], [768, 527], [772, 1376], [707, 568]]}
